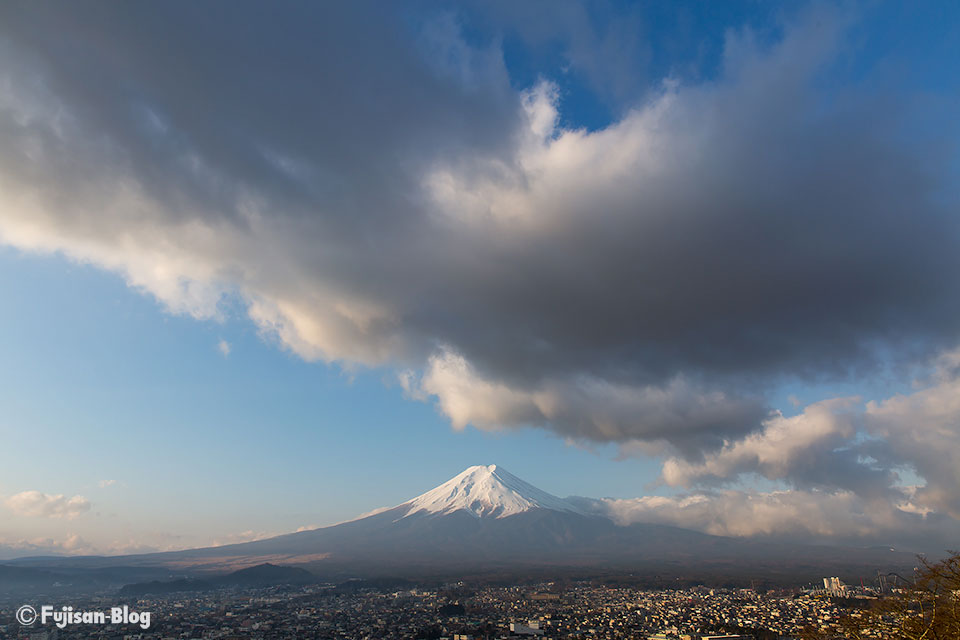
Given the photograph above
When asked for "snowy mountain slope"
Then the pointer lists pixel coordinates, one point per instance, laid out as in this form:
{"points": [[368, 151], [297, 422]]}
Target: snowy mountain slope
{"points": [[486, 492]]}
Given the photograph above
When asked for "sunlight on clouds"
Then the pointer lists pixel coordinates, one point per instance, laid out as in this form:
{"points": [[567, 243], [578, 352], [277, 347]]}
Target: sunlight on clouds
{"points": [[838, 514], [772, 452], [583, 406]]}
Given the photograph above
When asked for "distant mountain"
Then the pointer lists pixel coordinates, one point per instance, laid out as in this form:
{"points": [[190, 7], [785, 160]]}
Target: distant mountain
{"points": [[267, 575], [487, 520], [161, 587], [258, 576]]}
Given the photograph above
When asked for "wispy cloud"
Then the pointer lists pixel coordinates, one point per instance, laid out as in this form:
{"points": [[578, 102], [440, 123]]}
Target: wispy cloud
{"points": [[242, 536], [74, 544]]}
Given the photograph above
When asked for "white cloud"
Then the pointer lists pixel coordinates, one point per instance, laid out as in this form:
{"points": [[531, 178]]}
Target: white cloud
{"points": [[224, 348], [42, 505], [71, 544], [921, 430], [106, 483], [777, 450], [243, 536]]}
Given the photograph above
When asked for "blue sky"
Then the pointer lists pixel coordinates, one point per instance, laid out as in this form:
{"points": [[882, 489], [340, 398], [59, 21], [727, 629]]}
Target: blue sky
{"points": [[256, 276], [101, 384]]}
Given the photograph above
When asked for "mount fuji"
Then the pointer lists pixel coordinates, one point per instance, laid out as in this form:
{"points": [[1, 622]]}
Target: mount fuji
{"points": [[484, 492], [488, 521]]}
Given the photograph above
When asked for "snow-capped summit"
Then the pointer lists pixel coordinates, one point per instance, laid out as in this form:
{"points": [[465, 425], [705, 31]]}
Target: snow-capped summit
{"points": [[486, 492]]}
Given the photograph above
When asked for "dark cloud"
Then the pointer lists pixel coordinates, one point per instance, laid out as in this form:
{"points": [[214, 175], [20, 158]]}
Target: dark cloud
{"points": [[337, 89], [373, 187]]}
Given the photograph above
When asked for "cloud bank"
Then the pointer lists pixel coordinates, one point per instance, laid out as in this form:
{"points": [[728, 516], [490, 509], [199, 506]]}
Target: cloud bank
{"points": [[71, 544], [846, 468], [405, 205]]}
